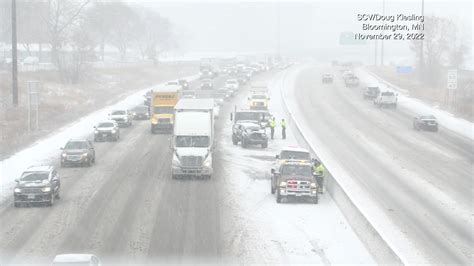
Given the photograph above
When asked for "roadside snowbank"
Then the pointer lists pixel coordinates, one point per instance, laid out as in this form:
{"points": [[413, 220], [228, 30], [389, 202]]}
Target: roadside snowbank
{"points": [[446, 119], [45, 150]]}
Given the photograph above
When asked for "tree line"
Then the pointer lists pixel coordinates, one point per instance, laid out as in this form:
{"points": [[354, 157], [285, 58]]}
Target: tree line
{"points": [[76, 32]]}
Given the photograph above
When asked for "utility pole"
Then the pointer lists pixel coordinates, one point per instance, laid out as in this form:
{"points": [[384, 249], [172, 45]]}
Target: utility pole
{"points": [[278, 29], [381, 46], [14, 57], [422, 60]]}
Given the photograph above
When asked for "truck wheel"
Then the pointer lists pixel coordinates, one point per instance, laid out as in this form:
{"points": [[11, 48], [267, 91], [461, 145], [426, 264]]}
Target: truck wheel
{"points": [[278, 197], [264, 145], [244, 143], [51, 200], [57, 195], [316, 199], [235, 141], [272, 189]]}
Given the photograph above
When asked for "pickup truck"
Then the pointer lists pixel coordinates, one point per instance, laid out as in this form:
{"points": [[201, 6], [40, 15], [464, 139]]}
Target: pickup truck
{"points": [[294, 179], [386, 99]]}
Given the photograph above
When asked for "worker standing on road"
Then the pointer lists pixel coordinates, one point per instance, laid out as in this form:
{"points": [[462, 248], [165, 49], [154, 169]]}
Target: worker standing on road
{"points": [[319, 170], [272, 127], [283, 128]]}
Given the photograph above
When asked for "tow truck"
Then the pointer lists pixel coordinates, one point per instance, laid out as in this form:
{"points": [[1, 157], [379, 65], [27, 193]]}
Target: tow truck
{"points": [[294, 179]]}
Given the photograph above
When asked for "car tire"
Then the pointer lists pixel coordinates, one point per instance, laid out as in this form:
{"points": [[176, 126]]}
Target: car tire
{"points": [[16, 204], [58, 196], [235, 141], [264, 145], [51, 200], [89, 163], [62, 164], [272, 189], [278, 197], [244, 143], [316, 199]]}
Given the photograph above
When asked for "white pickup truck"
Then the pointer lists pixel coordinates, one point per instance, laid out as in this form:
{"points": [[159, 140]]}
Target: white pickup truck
{"points": [[386, 99]]}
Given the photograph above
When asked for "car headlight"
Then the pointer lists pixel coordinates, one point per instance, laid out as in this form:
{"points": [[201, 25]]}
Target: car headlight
{"points": [[282, 184], [313, 185], [64, 154], [208, 162], [17, 190], [46, 189], [96, 132], [113, 131], [84, 154]]}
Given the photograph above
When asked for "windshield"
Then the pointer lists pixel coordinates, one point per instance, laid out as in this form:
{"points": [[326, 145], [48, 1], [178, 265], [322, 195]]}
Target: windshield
{"points": [[192, 141], [76, 145], [231, 82], [34, 176], [248, 116], [295, 155], [141, 109], [259, 97], [118, 113], [163, 110], [304, 170], [106, 125]]}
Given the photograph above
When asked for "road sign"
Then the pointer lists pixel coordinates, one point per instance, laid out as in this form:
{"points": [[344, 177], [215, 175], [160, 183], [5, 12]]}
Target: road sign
{"points": [[452, 79], [404, 69]]}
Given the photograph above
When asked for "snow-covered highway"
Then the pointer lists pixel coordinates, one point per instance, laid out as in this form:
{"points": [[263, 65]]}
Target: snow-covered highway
{"points": [[420, 182]]}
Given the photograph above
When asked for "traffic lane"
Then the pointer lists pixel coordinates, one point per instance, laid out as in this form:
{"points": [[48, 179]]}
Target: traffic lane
{"points": [[355, 147], [25, 231], [444, 158]]}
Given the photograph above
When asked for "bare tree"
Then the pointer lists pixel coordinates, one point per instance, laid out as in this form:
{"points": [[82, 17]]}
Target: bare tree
{"points": [[154, 34], [31, 26], [442, 46], [100, 22], [62, 17], [123, 31]]}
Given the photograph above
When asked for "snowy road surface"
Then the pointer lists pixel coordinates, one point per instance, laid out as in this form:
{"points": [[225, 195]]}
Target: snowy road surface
{"points": [[127, 208], [422, 181]]}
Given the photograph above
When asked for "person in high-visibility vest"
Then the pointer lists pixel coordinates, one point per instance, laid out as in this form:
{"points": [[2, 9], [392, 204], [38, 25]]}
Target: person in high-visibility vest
{"points": [[272, 127], [319, 170], [283, 128]]}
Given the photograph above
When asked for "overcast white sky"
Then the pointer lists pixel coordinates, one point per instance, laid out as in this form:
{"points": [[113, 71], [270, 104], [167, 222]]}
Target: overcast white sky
{"points": [[305, 26]]}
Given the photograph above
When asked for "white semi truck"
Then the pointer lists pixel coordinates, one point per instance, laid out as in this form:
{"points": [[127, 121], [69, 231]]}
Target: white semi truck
{"points": [[193, 138]]}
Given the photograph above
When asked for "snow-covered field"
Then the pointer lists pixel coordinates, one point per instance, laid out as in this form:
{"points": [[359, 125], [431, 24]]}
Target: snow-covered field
{"points": [[47, 149]]}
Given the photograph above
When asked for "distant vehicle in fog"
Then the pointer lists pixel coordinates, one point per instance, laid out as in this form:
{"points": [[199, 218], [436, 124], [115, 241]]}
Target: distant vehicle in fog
{"points": [[184, 84], [425, 122], [206, 84], [386, 99], [122, 117], [371, 93], [76, 260], [327, 78], [232, 84], [141, 112], [107, 130], [78, 152]]}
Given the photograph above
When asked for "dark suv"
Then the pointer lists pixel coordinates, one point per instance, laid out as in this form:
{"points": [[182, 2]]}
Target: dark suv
{"points": [[38, 184], [249, 133], [371, 93], [425, 122], [78, 152], [107, 130]]}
